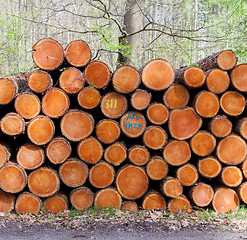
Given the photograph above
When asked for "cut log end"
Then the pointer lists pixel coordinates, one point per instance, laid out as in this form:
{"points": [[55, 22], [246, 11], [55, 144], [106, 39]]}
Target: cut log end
{"points": [[129, 206], [157, 168], [154, 200], [116, 153], [12, 124], [4, 155], [220, 126], [180, 203], [194, 77], [209, 167], [239, 77], [202, 194], [139, 155], [157, 113], [7, 202], [56, 204], [172, 187], [187, 174], [242, 192], [226, 59], [8, 90], [140, 99], [81, 198], [89, 98], [231, 176]]}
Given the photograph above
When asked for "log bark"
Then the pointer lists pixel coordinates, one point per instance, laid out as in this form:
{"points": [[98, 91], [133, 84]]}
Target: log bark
{"points": [[101, 175], [43, 182], [77, 53], [30, 156], [89, 98], [56, 204], [81, 198], [140, 99], [157, 113], [48, 54], [4, 154], [239, 77], [73, 172], [177, 153], [178, 204], [132, 182], [76, 125], [126, 79], [129, 206], [154, 200], [157, 168], [231, 176], [90, 150], [220, 126], [242, 192], [209, 167], [171, 187], [187, 174], [28, 203], [138, 155], [7, 202], [158, 74], [176, 96], [116, 153], [183, 124]]}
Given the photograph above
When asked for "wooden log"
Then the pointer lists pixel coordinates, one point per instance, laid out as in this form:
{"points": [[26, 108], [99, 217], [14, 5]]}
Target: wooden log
{"points": [[138, 155], [140, 99], [187, 174], [157, 113], [71, 80], [44, 182], [177, 153], [203, 143], [39, 81], [225, 200], [13, 178], [224, 60], [154, 200], [73, 172], [58, 150], [232, 103], [178, 204], [90, 150], [101, 175], [7, 202], [158, 74], [231, 150], [113, 105], [129, 206], [157, 168], [202, 194], [56, 204], [89, 98], [207, 104], [155, 137], [176, 96], [77, 53], [108, 198], [171, 187], [209, 167], [55, 103], [12, 124], [132, 182], [81, 198], [4, 154], [30, 156], [239, 77], [108, 131], [242, 192], [220, 126], [28, 203], [98, 74], [40, 130], [183, 124], [116, 153], [241, 127], [217, 80], [231, 176], [126, 79], [76, 125], [48, 54], [192, 77], [244, 168]]}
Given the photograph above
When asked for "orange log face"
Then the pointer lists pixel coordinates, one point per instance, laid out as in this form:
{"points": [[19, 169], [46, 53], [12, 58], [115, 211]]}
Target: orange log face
{"points": [[133, 124], [90, 150], [177, 153], [157, 113], [8, 90], [180, 203], [140, 99], [209, 167], [157, 168], [107, 131], [187, 174], [56, 204], [12, 124], [194, 77], [176, 96], [132, 182], [48, 54], [44, 182], [81, 198], [4, 155], [231, 150], [126, 79], [97, 74], [154, 201], [243, 192], [115, 154], [217, 81], [239, 77], [7, 202], [232, 103], [76, 125], [30, 156], [77, 53], [108, 198], [225, 200], [243, 128], [129, 206], [226, 60], [183, 124], [172, 187], [220, 126], [55, 103], [39, 81], [28, 203], [244, 168], [158, 74], [202, 194], [231, 176], [139, 155], [89, 98], [71, 80]]}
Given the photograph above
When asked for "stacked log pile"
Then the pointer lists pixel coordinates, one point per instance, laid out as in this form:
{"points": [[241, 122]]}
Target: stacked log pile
{"points": [[76, 133]]}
